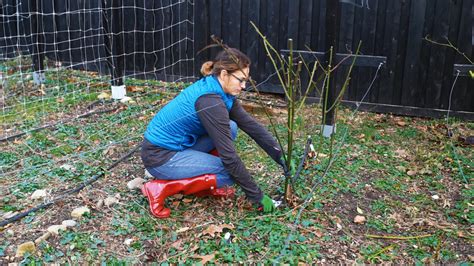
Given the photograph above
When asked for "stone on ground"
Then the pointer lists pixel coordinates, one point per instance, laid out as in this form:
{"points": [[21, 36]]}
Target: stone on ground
{"points": [[69, 223], [109, 201], [25, 247], [54, 229], [80, 211], [136, 183], [39, 194]]}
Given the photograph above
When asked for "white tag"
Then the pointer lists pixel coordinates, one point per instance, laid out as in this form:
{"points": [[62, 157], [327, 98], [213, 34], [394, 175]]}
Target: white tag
{"points": [[276, 203]]}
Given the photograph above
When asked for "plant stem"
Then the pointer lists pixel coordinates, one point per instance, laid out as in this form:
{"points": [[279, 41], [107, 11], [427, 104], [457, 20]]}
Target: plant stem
{"points": [[290, 120], [398, 237]]}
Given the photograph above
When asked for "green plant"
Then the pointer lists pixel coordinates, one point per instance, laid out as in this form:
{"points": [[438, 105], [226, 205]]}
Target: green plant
{"points": [[289, 71]]}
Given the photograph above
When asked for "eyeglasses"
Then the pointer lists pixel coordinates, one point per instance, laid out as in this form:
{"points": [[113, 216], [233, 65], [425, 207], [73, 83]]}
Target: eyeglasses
{"points": [[241, 80]]}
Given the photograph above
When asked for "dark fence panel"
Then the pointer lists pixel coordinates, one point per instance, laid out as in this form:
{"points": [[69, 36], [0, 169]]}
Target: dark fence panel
{"points": [[417, 73], [161, 39]]}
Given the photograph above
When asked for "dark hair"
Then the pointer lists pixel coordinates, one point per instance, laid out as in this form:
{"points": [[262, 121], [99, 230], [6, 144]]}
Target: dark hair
{"points": [[229, 59]]}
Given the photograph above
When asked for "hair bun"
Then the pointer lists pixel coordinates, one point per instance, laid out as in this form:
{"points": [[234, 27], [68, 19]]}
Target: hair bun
{"points": [[206, 68]]}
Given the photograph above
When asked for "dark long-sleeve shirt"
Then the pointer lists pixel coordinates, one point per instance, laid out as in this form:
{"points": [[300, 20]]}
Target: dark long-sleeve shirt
{"points": [[215, 119]]}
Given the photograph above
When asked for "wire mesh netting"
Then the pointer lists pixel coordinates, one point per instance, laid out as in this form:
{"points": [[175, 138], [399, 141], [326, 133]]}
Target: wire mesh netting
{"points": [[58, 62]]}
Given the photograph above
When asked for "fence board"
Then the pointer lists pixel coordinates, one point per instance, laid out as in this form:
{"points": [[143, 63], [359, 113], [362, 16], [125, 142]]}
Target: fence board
{"points": [[440, 30], [417, 73], [253, 41], [401, 52]]}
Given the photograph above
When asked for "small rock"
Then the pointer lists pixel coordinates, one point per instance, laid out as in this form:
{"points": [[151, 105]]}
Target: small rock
{"points": [[38, 194], [136, 183], [80, 211], [109, 201], [127, 99], [25, 247], [411, 173], [54, 229], [99, 204], [69, 223], [148, 175], [435, 197], [128, 241], [227, 236], [103, 95], [42, 238], [359, 219], [10, 232], [68, 167]]}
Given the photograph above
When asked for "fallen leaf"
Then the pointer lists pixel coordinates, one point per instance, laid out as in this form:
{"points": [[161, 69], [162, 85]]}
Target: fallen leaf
{"points": [[213, 229], [177, 244], [187, 200], [176, 196], [104, 95], [135, 89], [206, 258], [411, 172], [181, 230], [401, 153], [318, 233], [401, 123], [360, 211], [359, 219]]}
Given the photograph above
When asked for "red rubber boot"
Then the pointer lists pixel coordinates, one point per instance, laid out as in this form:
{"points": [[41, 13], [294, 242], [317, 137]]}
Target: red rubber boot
{"points": [[214, 152], [158, 190], [225, 192]]}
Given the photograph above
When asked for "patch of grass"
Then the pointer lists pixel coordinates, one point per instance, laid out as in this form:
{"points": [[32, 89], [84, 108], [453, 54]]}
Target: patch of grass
{"points": [[380, 224], [82, 242]]}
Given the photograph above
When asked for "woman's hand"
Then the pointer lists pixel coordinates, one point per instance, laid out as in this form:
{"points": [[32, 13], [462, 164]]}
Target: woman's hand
{"points": [[267, 204]]}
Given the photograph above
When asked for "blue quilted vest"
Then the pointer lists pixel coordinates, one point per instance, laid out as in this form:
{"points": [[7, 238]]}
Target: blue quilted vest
{"points": [[177, 126]]}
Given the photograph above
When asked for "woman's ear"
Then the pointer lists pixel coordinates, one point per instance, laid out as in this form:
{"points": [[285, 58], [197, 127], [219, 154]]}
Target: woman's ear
{"points": [[223, 74]]}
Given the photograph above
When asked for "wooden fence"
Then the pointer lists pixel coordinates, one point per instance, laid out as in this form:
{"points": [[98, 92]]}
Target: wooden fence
{"points": [[416, 79], [418, 75]]}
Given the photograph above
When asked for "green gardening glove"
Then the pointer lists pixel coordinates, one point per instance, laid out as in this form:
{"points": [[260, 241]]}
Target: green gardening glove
{"points": [[267, 204]]}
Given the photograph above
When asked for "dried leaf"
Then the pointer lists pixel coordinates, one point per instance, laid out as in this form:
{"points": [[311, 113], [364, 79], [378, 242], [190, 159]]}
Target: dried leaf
{"points": [[401, 123], [360, 211], [318, 233], [359, 219], [206, 258], [411, 172], [213, 229], [187, 200], [401, 153], [181, 230], [177, 244], [135, 89]]}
